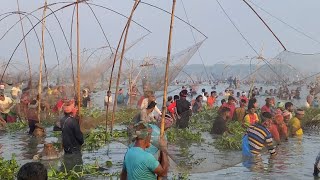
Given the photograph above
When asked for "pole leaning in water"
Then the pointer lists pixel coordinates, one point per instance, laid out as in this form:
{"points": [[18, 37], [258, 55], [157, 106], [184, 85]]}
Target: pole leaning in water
{"points": [[78, 62], [165, 90], [120, 65], [41, 61]]}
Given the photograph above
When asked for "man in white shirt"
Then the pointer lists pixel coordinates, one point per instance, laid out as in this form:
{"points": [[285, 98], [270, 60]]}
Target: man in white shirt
{"points": [[108, 99], [5, 105], [146, 101]]}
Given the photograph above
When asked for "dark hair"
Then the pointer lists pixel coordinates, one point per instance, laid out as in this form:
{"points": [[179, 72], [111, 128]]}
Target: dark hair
{"points": [[267, 115], [33, 102], [212, 92], [33, 171], [224, 109], [288, 104], [169, 98], [151, 105], [199, 96], [203, 90], [230, 98], [250, 106], [223, 101], [251, 102], [175, 97]]}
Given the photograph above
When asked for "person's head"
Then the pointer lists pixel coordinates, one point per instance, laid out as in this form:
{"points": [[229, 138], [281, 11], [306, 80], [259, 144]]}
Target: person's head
{"points": [[231, 100], [289, 106], [253, 102], [251, 109], [151, 97], [213, 93], [168, 121], [175, 97], [300, 114], [206, 94], [238, 94], [268, 102], [286, 115], [243, 103], [223, 101], [151, 106], [169, 98], [225, 113], [203, 90], [2, 98], [199, 98], [183, 94], [243, 93], [108, 93], [266, 116], [33, 171], [143, 135]]}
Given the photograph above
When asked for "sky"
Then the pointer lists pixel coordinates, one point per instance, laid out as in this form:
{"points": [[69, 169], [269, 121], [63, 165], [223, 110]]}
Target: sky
{"points": [[224, 44]]}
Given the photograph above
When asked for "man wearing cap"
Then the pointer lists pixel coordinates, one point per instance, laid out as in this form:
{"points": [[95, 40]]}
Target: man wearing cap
{"points": [[295, 123], [183, 110], [230, 104], [72, 137], [141, 165], [5, 105]]}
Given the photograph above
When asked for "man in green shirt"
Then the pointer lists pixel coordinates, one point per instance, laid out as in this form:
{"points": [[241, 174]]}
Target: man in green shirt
{"points": [[141, 165]]}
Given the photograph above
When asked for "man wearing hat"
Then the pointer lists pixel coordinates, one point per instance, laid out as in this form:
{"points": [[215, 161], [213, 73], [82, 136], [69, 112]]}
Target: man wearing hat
{"points": [[141, 165], [183, 110], [295, 123]]}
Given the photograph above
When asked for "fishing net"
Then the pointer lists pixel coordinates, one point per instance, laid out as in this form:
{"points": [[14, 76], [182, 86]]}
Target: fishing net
{"points": [[153, 71]]}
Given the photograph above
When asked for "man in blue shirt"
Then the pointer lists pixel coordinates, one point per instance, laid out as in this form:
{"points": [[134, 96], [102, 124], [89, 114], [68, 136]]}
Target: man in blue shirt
{"points": [[141, 165]]}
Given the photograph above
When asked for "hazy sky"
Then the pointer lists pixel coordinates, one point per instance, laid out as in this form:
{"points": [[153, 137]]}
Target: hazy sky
{"points": [[223, 44]]}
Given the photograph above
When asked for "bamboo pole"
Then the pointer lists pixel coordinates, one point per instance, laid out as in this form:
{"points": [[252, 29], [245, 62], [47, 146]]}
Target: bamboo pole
{"points": [[164, 108], [25, 46], [120, 65], [41, 61], [78, 62]]}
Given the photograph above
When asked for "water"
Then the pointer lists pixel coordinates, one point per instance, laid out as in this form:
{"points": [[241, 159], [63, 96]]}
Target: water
{"points": [[294, 160]]}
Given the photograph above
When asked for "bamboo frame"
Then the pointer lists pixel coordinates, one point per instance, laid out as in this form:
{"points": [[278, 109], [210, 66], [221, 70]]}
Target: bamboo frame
{"points": [[78, 61], [165, 90], [41, 61], [121, 59], [25, 46]]}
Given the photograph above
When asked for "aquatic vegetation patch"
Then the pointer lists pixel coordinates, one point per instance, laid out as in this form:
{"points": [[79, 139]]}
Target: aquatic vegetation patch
{"points": [[186, 135], [202, 121], [80, 171], [311, 117], [16, 126], [8, 168], [232, 139], [99, 137]]}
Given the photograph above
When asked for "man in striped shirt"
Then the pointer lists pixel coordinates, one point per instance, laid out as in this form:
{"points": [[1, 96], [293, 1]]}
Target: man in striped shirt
{"points": [[257, 137]]}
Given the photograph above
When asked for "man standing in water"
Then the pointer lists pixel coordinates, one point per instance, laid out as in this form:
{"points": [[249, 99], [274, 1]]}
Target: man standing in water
{"points": [[220, 124], [183, 110], [230, 104], [295, 123], [141, 165], [5, 105]]}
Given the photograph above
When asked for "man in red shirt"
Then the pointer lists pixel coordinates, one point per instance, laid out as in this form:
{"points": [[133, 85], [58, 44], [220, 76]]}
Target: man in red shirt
{"points": [[231, 105], [267, 106]]}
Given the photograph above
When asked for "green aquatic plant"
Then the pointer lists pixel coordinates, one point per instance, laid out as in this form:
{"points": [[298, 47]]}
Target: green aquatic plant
{"points": [[16, 126], [202, 121], [98, 138], [185, 135], [311, 117], [80, 171], [232, 139], [8, 168]]}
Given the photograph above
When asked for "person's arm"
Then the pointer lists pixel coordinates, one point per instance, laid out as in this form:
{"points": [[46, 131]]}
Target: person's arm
{"points": [[162, 169], [123, 175], [295, 127], [269, 143], [77, 132], [158, 110], [144, 104]]}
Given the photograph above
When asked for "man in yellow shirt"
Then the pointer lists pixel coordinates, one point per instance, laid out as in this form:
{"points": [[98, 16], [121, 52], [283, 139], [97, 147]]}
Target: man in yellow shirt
{"points": [[295, 123]]}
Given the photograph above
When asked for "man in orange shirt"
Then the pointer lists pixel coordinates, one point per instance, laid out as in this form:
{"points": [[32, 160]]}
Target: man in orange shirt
{"points": [[212, 99]]}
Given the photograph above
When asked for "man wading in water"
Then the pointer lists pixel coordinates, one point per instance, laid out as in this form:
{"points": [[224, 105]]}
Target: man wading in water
{"points": [[141, 165], [183, 110]]}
